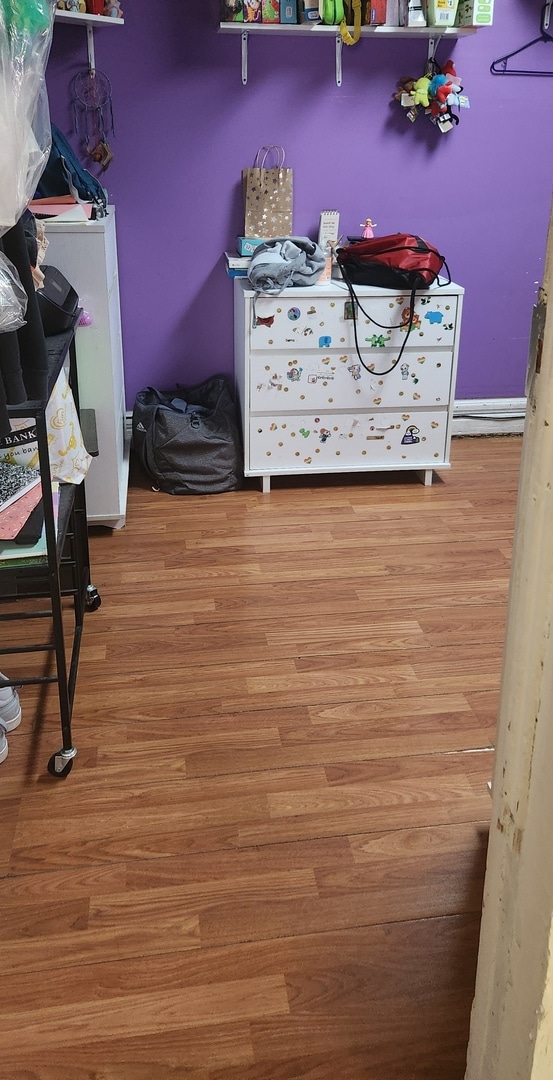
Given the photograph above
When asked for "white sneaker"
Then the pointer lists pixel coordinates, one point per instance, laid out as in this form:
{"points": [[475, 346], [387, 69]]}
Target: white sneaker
{"points": [[3, 743], [10, 708]]}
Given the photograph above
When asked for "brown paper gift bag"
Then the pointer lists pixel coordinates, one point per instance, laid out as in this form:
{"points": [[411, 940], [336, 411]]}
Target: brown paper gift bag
{"points": [[268, 195]]}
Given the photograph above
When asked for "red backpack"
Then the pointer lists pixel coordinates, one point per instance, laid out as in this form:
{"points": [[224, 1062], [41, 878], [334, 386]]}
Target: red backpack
{"points": [[402, 262]]}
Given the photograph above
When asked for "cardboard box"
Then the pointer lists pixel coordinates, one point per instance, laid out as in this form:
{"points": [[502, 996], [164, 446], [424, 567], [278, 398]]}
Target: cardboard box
{"points": [[246, 245], [270, 11], [309, 11], [375, 14], [252, 11], [392, 12], [288, 11], [441, 12], [474, 13]]}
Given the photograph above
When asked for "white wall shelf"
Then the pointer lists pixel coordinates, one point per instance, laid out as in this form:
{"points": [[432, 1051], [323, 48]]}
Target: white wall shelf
{"points": [[432, 34], [91, 22], [84, 17]]}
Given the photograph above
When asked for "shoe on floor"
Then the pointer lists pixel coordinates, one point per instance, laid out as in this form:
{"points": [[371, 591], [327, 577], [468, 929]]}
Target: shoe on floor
{"points": [[10, 708], [3, 743]]}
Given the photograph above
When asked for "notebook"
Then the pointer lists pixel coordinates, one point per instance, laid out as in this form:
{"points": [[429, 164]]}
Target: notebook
{"points": [[13, 518], [15, 555], [15, 480]]}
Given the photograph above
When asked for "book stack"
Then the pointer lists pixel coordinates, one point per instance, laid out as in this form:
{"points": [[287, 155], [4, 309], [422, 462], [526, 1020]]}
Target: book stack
{"points": [[237, 265], [22, 532]]}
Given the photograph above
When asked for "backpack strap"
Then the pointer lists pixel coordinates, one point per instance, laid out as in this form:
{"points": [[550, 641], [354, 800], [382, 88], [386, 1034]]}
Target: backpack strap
{"points": [[347, 38], [355, 303]]}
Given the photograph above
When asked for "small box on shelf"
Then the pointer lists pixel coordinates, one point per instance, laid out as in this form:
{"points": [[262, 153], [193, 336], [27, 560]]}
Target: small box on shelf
{"points": [[288, 11], [270, 11], [375, 14], [252, 11], [246, 245], [474, 13], [309, 11], [441, 12]]}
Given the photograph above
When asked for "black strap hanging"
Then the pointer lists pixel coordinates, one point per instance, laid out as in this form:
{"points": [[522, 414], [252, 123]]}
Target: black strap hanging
{"points": [[356, 303]]}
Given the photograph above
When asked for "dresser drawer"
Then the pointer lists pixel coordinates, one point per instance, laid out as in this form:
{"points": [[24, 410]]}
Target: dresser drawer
{"points": [[342, 440], [334, 380], [320, 322]]}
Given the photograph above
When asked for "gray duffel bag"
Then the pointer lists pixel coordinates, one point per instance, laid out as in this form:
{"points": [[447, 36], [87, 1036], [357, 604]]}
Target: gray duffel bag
{"points": [[188, 439]]}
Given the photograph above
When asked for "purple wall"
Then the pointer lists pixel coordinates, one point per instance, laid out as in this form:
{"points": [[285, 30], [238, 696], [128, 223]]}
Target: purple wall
{"points": [[185, 127]]}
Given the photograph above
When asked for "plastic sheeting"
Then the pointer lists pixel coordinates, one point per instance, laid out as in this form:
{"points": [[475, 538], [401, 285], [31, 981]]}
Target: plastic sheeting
{"points": [[13, 298], [25, 39]]}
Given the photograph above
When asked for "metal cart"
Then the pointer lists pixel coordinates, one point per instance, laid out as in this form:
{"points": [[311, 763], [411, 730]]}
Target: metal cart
{"points": [[64, 571]]}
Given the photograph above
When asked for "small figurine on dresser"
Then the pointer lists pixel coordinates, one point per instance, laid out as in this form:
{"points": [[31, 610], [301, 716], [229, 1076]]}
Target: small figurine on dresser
{"points": [[367, 225]]}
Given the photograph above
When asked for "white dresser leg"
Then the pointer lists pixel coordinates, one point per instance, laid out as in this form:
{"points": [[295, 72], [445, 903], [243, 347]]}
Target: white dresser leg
{"points": [[425, 476], [266, 484]]}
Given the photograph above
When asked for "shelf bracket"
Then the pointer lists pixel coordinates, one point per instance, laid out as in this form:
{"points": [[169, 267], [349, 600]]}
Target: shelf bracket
{"points": [[244, 57], [90, 47], [432, 46]]}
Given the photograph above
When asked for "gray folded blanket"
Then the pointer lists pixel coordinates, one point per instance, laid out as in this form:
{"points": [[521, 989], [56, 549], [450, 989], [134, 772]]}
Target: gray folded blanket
{"points": [[285, 261]]}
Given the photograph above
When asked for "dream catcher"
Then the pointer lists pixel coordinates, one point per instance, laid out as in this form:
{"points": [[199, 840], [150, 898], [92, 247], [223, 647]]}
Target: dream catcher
{"points": [[93, 114]]}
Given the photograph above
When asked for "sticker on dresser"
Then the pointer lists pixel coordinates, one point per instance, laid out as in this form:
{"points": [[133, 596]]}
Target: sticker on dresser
{"points": [[380, 322], [347, 441], [311, 404], [338, 380]]}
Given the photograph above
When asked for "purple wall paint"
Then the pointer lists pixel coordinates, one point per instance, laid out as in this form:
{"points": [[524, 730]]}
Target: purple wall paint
{"points": [[185, 126]]}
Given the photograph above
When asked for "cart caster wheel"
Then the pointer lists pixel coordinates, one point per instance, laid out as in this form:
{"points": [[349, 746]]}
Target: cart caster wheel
{"points": [[93, 598], [59, 765]]}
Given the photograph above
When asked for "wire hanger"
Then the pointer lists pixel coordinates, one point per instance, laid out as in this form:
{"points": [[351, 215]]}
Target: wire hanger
{"points": [[499, 67]]}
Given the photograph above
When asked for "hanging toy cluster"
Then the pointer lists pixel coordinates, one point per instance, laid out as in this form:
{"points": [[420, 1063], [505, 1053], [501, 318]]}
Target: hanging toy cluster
{"points": [[435, 95]]}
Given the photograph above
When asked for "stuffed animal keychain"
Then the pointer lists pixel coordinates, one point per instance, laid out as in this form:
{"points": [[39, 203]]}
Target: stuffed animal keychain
{"points": [[435, 94]]}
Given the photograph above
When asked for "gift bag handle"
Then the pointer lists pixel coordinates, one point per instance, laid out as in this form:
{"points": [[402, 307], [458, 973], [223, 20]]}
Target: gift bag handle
{"points": [[264, 152]]}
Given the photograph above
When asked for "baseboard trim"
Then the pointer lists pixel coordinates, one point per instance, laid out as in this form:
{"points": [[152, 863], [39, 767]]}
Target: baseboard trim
{"points": [[471, 416], [489, 416]]}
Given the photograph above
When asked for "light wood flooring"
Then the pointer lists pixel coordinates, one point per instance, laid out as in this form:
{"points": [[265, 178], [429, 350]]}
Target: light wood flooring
{"points": [[267, 862]]}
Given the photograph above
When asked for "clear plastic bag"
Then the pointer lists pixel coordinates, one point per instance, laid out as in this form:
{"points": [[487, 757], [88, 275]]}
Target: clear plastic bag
{"points": [[13, 298], [25, 134]]}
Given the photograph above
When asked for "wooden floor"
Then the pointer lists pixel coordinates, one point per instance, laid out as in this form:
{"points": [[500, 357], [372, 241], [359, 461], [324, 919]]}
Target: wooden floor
{"points": [[268, 859]]}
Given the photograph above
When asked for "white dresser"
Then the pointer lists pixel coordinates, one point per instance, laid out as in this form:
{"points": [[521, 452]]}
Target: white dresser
{"points": [[86, 253], [307, 403]]}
